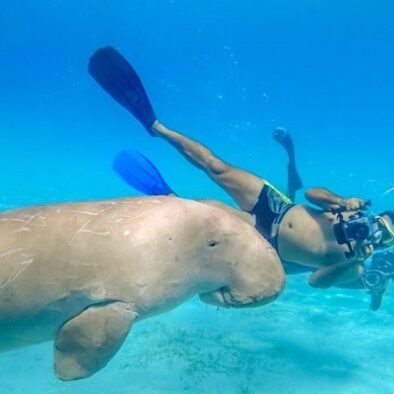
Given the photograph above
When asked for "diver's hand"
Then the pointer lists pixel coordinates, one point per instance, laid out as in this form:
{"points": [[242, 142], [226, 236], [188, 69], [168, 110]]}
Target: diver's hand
{"points": [[352, 204], [362, 251]]}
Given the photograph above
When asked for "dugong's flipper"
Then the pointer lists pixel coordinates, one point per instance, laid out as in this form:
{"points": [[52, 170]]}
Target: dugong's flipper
{"points": [[87, 342]]}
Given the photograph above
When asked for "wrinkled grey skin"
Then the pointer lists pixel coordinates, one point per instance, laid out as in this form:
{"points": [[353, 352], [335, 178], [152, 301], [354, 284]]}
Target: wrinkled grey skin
{"points": [[82, 273]]}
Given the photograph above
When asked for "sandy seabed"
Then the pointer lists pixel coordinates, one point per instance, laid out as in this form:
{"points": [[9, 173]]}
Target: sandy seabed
{"points": [[308, 341]]}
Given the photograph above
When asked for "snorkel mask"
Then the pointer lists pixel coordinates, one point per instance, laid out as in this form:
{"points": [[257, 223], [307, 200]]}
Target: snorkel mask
{"points": [[383, 235]]}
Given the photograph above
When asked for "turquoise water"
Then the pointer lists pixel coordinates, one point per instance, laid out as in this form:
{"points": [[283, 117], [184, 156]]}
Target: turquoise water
{"points": [[226, 73]]}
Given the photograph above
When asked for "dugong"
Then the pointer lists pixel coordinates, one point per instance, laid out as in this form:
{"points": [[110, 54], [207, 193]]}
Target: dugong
{"points": [[82, 274]]}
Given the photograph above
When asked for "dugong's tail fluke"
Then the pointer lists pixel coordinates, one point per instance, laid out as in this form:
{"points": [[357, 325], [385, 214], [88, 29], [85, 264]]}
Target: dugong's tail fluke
{"points": [[87, 342]]}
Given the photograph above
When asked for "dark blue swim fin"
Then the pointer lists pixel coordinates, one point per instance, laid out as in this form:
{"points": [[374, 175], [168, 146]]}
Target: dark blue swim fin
{"points": [[118, 78], [140, 173]]}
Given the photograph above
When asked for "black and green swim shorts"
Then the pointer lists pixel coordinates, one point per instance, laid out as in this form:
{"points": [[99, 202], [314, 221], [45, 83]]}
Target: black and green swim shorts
{"points": [[269, 210]]}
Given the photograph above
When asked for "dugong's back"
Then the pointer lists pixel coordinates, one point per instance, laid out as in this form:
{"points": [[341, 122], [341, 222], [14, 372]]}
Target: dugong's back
{"points": [[47, 252], [55, 260]]}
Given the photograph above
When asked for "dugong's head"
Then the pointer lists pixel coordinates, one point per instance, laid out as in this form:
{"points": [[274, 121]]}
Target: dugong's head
{"points": [[251, 268]]}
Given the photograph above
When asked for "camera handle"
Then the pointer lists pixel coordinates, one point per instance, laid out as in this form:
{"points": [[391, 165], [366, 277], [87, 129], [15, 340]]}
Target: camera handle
{"points": [[338, 211]]}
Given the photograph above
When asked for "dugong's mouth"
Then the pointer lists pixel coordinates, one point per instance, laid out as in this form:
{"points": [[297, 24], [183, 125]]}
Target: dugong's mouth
{"points": [[223, 297], [219, 297], [236, 299]]}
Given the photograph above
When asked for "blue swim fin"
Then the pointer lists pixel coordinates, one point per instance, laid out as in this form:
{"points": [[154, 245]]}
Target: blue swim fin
{"points": [[118, 78], [140, 173]]}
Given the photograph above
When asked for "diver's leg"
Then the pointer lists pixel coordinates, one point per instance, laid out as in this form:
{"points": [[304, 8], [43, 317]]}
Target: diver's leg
{"points": [[294, 182], [243, 186]]}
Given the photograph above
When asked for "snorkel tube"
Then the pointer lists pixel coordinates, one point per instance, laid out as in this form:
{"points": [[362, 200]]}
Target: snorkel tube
{"points": [[384, 195], [388, 191]]}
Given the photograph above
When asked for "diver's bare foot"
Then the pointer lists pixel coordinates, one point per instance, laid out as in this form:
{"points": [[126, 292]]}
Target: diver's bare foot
{"points": [[283, 137]]}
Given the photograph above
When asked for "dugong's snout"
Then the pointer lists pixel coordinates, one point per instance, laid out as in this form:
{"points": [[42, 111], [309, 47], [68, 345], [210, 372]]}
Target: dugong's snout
{"points": [[260, 276], [256, 274]]}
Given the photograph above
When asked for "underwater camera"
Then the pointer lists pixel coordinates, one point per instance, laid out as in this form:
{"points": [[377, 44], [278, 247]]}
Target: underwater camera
{"points": [[358, 227]]}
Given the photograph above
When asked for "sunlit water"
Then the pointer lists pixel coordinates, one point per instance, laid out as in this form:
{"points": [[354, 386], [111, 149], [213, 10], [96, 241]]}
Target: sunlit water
{"points": [[226, 73]]}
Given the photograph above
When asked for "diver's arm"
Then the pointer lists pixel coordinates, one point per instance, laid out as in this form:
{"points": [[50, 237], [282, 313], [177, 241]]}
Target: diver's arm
{"points": [[324, 198], [327, 200], [343, 272], [337, 274]]}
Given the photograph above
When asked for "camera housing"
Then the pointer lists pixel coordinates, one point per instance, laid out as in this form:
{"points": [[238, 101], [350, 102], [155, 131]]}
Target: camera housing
{"points": [[357, 228]]}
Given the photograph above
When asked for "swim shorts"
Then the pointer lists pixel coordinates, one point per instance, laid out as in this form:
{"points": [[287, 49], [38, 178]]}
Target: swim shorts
{"points": [[269, 210]]}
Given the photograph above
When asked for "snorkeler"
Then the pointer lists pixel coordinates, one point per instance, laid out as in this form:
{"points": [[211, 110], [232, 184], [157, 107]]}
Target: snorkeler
{"points": [[299, 233]]}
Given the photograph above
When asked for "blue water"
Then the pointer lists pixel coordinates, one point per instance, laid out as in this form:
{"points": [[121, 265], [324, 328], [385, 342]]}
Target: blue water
{"points": [[226, 73]]}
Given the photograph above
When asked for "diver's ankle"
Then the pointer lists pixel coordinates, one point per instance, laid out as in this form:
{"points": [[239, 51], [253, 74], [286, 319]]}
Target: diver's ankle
{"points": [[155, 129], [158, 128]]}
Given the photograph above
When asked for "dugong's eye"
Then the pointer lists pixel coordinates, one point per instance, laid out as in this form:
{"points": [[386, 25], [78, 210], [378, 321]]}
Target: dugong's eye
{"points": [[212, 244]]}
